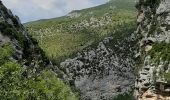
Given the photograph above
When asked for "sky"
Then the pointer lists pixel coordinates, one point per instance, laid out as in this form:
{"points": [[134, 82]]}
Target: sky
{"points": [[30, 10]]}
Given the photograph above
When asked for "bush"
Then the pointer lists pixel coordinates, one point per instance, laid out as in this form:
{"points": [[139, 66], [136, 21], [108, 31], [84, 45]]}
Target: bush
{"points": [[3, 26], [160, 50], [48, 87], [10, 81], [124, 97], [5, 52], [167, 76], [15, 21], [8, 32], [45, 86]]}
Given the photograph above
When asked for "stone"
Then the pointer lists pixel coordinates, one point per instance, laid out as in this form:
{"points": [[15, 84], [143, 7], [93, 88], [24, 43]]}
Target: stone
{"points": [[140, 18], [148, 48], [74, 14]]}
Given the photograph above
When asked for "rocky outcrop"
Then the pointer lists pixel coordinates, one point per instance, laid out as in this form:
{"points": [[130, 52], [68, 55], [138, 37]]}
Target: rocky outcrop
{"points": [[103, 72], [74, 14], [26, 49], [153, 82]]}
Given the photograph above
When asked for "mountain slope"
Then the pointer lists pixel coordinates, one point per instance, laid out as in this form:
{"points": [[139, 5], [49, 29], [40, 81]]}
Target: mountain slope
{"points": [[63, 37], [104, 38], [25, 71]]}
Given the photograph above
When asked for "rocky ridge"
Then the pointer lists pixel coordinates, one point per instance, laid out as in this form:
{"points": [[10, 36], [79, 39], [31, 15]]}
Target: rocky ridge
{"points": [[26, 49]]}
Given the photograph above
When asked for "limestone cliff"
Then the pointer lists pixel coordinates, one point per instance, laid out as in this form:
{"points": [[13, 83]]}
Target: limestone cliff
{"points": [[153, 81], [26, 49], [105, 71]]}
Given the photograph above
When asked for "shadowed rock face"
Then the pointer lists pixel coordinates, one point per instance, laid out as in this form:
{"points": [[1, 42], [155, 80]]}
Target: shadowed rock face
{"points": [[153, 25], [103, 72]]}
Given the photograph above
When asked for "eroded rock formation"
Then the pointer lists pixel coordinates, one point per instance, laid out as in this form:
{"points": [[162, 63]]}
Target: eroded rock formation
{"points": [[104, 72], [153, 82]]}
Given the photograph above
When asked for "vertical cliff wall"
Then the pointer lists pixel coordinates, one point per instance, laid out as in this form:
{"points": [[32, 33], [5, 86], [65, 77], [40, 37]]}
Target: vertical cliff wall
{"points": [[153, 81]]}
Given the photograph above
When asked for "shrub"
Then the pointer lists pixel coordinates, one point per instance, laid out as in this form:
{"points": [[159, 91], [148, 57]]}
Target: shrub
{"points": [[124, 97], [167, 76], [160, 50], [48, 87], [45, 86], [3, 26], [10, 81], [5, 52], [15, 21], [8, 32]]}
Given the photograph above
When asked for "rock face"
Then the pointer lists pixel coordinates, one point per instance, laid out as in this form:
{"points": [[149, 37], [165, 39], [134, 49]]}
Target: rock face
{"points": [[26, 49], [103, 72], [153, 82]]}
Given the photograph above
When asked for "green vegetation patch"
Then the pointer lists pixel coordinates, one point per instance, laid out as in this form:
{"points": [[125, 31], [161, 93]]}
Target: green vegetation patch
{"points": [[160, 50], [167, 76], [16, 85], [48, 87], [11, 31], [6, 51], [45, 86], [125, 96]]}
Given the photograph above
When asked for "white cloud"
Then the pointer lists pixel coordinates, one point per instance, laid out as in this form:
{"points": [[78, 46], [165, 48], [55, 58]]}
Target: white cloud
{"points": [[44, 4], [29, 10], [78, 4]]}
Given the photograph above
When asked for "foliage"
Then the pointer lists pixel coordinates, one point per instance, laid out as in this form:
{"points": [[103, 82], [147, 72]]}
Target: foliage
{"points": [[152, 3], [14, 85], [11, 31], [154, 26], [167, 76], [5, 52], [160, 50], [10, 81], [46, 86], [124, 97]]}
